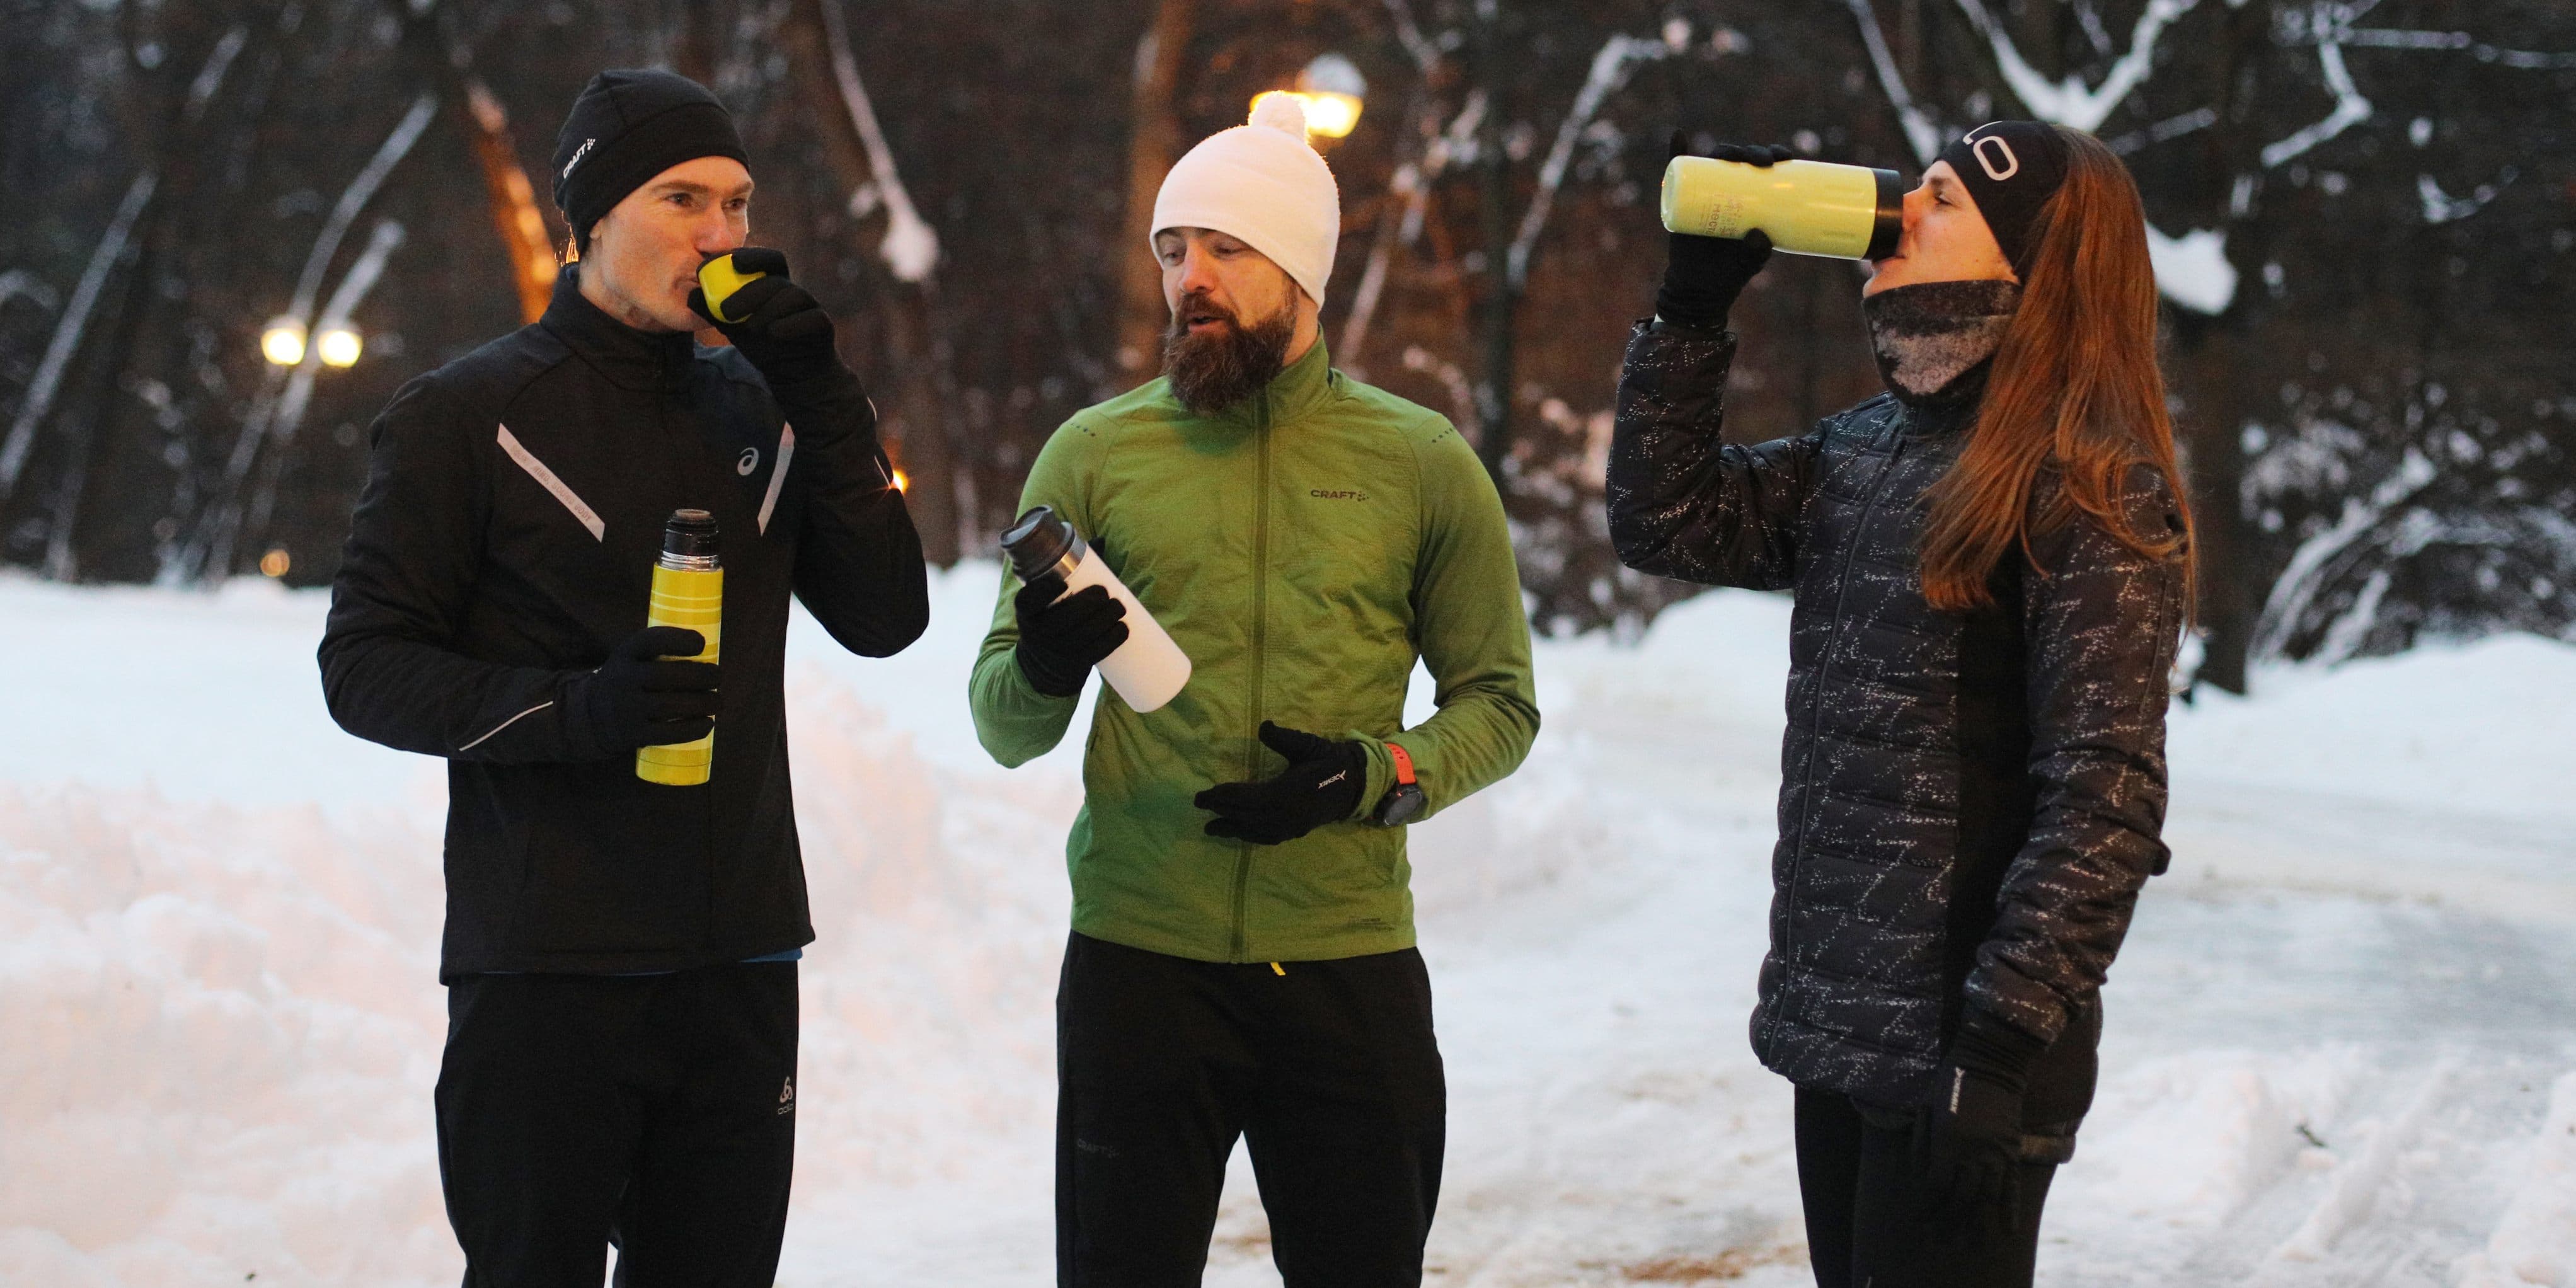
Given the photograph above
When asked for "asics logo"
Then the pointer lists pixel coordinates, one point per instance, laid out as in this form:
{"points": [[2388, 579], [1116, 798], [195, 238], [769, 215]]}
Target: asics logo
{"points": [[750, 461]]}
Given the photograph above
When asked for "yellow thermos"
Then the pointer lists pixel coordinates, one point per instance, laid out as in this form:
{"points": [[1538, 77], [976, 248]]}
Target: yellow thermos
{"points": [[688, 590], [1804, 207]]}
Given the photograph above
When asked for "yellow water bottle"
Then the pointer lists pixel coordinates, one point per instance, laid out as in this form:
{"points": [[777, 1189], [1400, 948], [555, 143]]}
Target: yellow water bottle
{"points": [[688, 590], [1804, 207]]}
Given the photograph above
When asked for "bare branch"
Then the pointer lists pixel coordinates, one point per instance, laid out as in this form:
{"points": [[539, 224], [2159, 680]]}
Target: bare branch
{"points": [[2172, 127], [2069, 101], [2530, 60], [1412, 182], [67, 333], [2441, 207], [354, 198], [18, 282], [209, 550], [345, 298], [1922, 133], [1610, 70], [2350, 109], [911, 246], [2300, 582], [1424, 51]]}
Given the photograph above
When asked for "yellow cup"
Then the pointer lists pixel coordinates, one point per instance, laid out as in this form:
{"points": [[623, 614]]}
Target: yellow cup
{"points": [[1804, 207], [720, 279]]}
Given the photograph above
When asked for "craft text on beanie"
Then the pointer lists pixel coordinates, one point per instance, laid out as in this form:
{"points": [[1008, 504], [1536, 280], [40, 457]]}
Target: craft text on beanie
{"points": [[2011, 168], [630, 124], [1261, 183]]}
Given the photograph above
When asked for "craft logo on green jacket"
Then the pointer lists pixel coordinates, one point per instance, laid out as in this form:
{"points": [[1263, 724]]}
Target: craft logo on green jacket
{"points": [[1305, 548]]}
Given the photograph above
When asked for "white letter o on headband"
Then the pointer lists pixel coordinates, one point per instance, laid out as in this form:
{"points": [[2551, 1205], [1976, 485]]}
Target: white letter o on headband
{"points": [[2011, 165]]}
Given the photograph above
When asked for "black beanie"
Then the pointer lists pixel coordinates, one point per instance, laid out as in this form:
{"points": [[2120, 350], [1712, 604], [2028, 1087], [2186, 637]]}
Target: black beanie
{"points": [[2011, 168], [629, 125]]}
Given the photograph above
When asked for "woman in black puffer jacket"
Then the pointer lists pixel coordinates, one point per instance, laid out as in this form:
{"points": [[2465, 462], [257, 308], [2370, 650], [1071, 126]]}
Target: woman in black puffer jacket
{"points": [[1992, 569]]}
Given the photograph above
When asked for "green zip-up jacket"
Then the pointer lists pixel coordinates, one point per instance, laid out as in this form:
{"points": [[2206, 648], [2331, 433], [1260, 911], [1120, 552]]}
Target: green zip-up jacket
{"points": [[1304, 548]]}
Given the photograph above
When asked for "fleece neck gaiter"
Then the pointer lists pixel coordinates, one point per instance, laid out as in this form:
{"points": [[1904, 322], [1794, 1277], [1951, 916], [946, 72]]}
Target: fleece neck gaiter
{"points": [[1929, 336]]}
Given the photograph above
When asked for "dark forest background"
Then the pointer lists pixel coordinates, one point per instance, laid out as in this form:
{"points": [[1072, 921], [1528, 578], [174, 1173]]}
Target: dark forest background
{"points": [[2366, 215]]}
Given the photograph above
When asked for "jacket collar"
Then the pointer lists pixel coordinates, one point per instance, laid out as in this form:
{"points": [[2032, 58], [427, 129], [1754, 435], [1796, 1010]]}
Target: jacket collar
{"points": [[1298, 389], [630, 359], [1949, 409]]}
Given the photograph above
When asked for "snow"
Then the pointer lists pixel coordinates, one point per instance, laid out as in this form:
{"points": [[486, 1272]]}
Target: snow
{"points": [[2193, 270], [2341, 1048]]}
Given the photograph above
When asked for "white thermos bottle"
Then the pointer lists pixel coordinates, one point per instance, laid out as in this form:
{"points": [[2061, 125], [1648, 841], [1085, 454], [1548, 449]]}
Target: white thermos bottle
{"points": [[1149, 668]]}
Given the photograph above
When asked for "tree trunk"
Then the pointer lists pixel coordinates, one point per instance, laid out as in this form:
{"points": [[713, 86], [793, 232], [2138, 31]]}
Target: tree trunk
{"points": [[1154, 144], [1494, 377], [912, 424], [2207, 353], [694, 54], [517, 218]]}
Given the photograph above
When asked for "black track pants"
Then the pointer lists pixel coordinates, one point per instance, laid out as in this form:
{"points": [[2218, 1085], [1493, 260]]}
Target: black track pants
{"points": [[1865, 1204], [656, 1111], [1328, 1071]]}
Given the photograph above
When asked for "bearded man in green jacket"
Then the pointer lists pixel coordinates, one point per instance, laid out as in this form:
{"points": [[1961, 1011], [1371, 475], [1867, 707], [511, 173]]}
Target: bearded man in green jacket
{"points": [[1242, 959]]}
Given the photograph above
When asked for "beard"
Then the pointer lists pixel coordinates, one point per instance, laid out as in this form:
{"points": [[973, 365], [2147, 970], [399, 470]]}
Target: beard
{"points": [[1228, 363]]}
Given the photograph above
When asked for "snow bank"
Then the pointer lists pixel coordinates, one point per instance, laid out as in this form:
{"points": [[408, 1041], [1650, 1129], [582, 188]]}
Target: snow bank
{"points": [[219, 919], [2535, 1244], [2488, 727]]}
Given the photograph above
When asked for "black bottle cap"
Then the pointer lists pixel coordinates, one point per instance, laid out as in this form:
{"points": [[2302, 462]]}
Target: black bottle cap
{"points": [[691, 533], [1037, 541], [1890, 223]]}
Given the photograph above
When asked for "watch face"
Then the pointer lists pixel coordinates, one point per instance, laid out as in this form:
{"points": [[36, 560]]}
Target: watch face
{"points": [[1401, 805]]}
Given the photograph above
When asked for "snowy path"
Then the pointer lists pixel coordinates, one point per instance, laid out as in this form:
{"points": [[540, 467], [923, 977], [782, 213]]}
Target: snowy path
{"points": [[2340, 1045]]}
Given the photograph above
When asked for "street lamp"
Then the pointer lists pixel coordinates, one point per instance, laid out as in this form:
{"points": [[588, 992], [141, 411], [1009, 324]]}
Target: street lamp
{"points": [[1331, 90], [282, 341], [339, 347]]}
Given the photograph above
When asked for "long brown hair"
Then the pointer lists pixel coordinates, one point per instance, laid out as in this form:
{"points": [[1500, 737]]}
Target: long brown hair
{"points": [[2075, 390]]}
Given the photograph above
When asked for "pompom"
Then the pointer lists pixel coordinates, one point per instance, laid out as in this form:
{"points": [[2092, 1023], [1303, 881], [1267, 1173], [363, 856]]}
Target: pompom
{"points": [[1281, 112]]}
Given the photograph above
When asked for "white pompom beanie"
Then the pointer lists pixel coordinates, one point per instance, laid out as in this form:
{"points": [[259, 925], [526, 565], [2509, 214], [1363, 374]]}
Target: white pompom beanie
{"points": [[1262, 183]]}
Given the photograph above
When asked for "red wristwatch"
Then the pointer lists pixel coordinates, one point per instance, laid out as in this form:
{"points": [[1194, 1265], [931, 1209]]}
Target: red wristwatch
{"points": [[1403, 802]]}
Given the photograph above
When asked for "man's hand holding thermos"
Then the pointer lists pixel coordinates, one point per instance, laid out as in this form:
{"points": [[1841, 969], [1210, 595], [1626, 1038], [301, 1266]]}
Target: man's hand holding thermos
{"points": [[1062, 639], [643, 697]]}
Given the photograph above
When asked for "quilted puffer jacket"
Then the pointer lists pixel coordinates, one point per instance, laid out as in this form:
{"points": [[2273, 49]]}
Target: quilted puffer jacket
{"points": [[1969, 802]]}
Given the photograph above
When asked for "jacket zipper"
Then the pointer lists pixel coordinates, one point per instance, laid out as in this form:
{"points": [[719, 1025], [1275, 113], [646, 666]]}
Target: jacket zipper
{"points": [[1816, 702], [1240, 948]]}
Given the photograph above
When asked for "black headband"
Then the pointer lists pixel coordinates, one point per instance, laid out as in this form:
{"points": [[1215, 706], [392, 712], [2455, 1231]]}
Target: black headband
{"points": [[2011, 169]]}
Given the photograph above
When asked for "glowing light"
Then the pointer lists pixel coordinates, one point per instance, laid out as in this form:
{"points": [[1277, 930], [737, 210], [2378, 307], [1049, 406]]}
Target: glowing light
{"points": [[282, 342], [276, 562], [1328, 116], [902, 481], [339, 347]]}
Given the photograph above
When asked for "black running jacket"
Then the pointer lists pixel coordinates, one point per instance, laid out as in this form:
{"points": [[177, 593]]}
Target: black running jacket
{"points": [[1969, 802], [504, 543]]}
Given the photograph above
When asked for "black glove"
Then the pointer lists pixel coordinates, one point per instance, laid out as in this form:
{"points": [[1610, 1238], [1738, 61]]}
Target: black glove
{"points": [[783, 331], [638, 699], [1967, 1146], [1062, 639], [1321, 785], [1703, 275]]}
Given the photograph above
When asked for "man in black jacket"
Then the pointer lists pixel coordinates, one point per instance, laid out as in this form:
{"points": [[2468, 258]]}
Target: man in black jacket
{"points": [[620, 1063]]}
